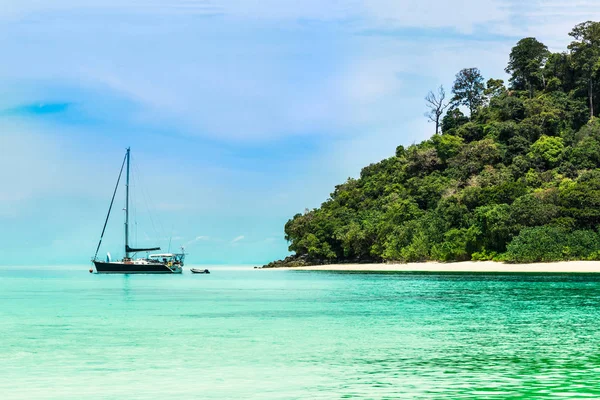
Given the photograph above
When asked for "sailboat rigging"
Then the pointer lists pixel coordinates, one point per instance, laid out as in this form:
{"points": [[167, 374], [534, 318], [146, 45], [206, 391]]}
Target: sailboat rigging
{"points": [[167, 263]]}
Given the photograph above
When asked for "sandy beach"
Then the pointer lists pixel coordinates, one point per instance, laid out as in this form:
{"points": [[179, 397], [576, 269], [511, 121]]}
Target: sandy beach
{"points": [[466, 266]]}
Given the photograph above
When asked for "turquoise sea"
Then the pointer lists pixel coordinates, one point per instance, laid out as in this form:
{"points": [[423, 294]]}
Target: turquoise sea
{"points": [[241, 333]]}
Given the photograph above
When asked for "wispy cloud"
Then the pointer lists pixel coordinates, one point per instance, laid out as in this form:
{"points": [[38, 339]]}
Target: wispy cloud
{"points": [[237, 239], [196, 239], [265, 69], [26, 7]]}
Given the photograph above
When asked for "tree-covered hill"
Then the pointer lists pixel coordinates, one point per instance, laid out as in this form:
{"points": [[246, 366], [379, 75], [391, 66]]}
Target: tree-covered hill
{"points": [[518, 179]]}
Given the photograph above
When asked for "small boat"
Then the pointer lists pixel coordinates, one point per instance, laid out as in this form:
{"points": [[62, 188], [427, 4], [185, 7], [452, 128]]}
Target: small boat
{"points": [[199, 271], [164, 263]]}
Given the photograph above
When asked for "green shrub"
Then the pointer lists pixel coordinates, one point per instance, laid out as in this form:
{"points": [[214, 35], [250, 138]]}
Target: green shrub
{"points": [[456, 245], [552, 243], [484, 255]]}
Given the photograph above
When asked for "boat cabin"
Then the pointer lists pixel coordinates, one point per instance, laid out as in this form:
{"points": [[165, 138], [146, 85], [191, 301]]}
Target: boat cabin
{"points": [[167, 258]]}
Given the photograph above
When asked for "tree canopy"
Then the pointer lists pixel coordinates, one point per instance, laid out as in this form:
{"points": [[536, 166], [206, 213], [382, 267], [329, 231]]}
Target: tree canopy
{"points": [[585, 54], [525, 64], [468, 89]]}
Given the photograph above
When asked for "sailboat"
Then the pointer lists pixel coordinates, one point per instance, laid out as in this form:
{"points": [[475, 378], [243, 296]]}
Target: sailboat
{"points": [[163, 263]]}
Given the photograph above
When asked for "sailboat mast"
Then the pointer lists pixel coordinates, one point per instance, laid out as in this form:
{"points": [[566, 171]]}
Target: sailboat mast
{"points": [[127, 208]]}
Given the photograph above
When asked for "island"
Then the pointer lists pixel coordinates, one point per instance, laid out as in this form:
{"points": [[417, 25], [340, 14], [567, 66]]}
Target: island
{"points": [[510, 175]]}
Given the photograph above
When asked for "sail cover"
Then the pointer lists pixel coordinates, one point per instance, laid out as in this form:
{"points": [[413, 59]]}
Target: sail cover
{"points": [[130, 250]]}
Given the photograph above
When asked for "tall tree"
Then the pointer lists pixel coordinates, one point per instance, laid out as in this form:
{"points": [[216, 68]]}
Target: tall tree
{"points": [[494, 88], [559, 72], [525, 64], [585, 51], [468, 89], [436, 103]]}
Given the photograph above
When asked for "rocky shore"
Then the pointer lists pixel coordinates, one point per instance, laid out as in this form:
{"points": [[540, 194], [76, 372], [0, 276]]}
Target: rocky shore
{"points": [[295, 261], [292, 261]]}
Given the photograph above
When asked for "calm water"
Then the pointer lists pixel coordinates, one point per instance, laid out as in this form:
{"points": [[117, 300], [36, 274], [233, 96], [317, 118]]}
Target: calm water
{"points": [[246, 334]]}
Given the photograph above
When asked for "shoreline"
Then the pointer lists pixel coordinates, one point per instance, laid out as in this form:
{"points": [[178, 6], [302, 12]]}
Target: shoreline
{"points": [[464, 266]]}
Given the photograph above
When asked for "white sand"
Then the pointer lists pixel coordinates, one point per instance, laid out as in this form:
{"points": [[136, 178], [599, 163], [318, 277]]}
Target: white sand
{"points": [[466, 266]]}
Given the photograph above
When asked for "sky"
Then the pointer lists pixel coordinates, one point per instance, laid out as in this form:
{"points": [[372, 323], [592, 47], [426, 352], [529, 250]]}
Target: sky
{"points": [[239, 113]]}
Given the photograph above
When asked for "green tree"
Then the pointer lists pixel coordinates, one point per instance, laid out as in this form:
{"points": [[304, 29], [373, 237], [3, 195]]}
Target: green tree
{"points": [[558, 73], [525, 64], [550, 243], [458, 245], [532, 210], [495, 226], [473, 157], [580, 199], [422, 159], [585, 51], [547, 150], [453, 119], [494, 88], [585, 153], [447, 146], [468, 89]]}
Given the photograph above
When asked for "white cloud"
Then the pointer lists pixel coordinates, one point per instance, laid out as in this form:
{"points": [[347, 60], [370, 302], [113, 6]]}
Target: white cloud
{"points": [[259, 72], [196, 239], [415, 13], [462, 15], [11, 9], [237, 239], [548, 20]]}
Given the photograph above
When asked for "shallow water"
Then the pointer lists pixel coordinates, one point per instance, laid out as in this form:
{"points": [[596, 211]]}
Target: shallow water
{"points": [[247, 334]]}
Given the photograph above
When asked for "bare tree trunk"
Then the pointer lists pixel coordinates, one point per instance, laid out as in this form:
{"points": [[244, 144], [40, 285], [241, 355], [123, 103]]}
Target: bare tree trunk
{"points": [[544, 81], [591, 94], [435, 103]]}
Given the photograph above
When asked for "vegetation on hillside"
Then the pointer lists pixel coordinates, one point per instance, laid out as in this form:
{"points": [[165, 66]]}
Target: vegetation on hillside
{"points": [[517, 179]]}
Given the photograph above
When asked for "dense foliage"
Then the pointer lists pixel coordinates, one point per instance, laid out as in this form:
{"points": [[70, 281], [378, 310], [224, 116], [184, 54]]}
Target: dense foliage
{"points": [[517, 180]]}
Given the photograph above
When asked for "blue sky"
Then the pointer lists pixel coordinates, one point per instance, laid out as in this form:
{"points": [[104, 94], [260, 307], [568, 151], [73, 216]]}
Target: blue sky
{"points": [[239, 113]]}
